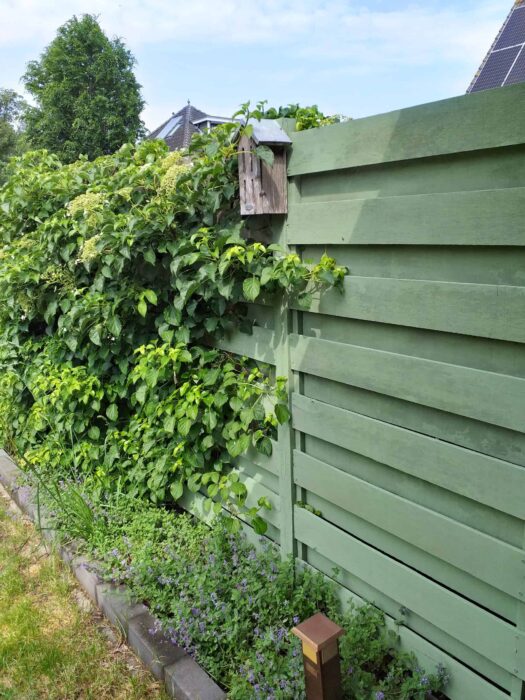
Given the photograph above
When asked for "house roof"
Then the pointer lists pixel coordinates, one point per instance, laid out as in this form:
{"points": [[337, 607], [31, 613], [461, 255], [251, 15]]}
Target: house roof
{"points": [[504, 64], [178, 129]]}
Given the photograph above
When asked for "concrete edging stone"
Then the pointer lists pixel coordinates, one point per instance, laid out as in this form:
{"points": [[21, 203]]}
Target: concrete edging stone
{"points": [[183, 677]]}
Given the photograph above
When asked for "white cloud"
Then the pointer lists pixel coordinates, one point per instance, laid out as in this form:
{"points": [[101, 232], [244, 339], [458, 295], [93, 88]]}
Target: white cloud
{"points": [[315, 38], [337, 29]]}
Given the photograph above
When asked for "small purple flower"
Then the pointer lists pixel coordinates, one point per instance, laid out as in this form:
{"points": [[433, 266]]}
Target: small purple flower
{"points": [[195, 612], [295, 619], [424, 681], [350, 670], [380, 695], [251, 677]]}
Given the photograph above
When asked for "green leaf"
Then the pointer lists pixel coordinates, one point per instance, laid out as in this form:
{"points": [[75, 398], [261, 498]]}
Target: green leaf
{"points": [[239, 446], [251, 288], [176, 490], [114, 326], [50, 311], [211, 376], [212, 148], [184, 426], [194, 482], [238, 490], [207, 442], [266, 154], [149, 256], [169, 424], [236, 403], [259, 525], [263, 502], [112, 412], [220, 399], [94, 335], [94, 432], [151, 296], [266, 275], [282, 413], [305, 300], [265, 447], [142, 308], [140, 394]]}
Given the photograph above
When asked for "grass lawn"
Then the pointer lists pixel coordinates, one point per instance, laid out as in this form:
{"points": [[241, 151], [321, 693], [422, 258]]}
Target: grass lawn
{"points": [[52, 645]]}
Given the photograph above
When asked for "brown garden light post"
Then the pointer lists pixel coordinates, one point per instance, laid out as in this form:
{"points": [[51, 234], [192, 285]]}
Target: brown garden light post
{"points": [[322, 668]]}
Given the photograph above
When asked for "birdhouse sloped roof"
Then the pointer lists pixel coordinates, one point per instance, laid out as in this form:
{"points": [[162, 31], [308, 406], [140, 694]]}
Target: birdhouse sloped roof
{"points": [[268, 132]]}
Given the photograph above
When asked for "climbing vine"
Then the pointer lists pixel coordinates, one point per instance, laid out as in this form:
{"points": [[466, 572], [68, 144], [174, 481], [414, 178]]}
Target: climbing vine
{"points": [[117, 277]]}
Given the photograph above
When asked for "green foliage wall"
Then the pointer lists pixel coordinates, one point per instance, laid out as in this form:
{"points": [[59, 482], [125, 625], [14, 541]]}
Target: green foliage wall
{"points": [[116, 277]]}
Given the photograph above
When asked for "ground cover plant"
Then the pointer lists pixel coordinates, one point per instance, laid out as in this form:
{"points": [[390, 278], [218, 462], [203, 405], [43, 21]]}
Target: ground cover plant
{"points": [[231, 602], [50, 649]]}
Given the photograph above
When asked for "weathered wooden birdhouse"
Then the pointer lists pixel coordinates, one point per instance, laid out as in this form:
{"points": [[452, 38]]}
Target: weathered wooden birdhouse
{"points": [[263, 185]]}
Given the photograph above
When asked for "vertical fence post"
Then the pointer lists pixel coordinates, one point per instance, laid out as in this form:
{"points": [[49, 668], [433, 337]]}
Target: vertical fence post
{"points": [[284, 325], [286, 437]]}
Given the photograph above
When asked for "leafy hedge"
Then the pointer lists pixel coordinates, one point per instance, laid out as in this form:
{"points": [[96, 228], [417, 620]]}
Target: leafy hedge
{"points": [[116, 278]]}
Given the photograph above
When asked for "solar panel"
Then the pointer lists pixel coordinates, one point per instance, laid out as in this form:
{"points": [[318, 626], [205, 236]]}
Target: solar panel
{"points": [[517, 74], [496, 68], [505, 62], [514, 30], [169, 127]]}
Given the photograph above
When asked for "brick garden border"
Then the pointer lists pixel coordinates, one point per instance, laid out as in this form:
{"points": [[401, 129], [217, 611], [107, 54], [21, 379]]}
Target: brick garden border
{"points": [[183, 677]]}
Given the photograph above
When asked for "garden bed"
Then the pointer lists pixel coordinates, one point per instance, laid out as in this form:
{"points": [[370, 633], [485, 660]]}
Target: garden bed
{"points": [[221, 601], [184, 679]]}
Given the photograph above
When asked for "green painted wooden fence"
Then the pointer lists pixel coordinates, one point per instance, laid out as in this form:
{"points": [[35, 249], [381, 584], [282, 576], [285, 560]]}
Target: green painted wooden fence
{"points": [[408, 391]]}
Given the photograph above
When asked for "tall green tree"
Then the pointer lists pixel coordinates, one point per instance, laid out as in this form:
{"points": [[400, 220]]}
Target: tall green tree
{"points": [[11, 138], [88, 100]]}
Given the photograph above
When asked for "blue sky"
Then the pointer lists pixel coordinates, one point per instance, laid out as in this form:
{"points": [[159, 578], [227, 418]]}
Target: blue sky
{"points": [[354, 57]]}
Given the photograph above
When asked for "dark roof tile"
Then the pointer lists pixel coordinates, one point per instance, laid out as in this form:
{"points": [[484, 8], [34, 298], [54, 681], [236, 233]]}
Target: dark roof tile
{"points": [[179, 128]]}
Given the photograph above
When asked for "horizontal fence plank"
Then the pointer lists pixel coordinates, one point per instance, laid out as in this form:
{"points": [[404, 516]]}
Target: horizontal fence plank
{"points": [[483, 310], [479, 630], [463, 684], [481, 120], [481, 218], [269, 464], [488, 559], [246, 468], [260, 345], [437, 639], [488, 480], [475, 590], [495, 168], [486, 396], [501, 443]]}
